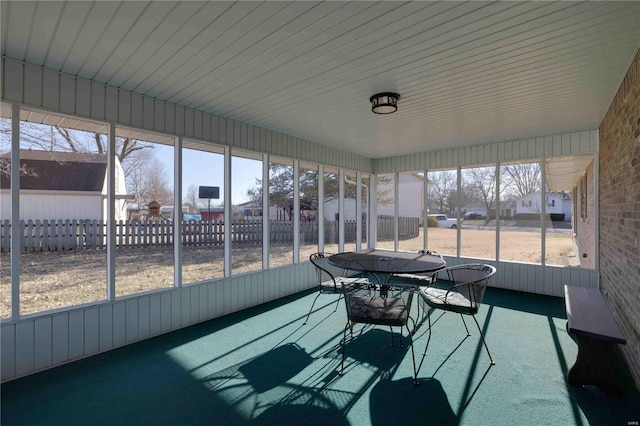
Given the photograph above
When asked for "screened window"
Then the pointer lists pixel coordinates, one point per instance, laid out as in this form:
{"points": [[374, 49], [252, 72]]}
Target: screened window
{"points": [[520, 210], [5, 210], [144, 225], [280, 212], [202, 215], [62, 216], [331, 209], [246, 208], [350, 210], [411, 202], [386, 199], [478, 205], [442, 199], [366, 208], [308, 187]]}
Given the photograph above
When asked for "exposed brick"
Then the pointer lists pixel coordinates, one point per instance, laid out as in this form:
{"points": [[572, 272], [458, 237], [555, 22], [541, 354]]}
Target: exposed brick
{"points": [[619, 224]]}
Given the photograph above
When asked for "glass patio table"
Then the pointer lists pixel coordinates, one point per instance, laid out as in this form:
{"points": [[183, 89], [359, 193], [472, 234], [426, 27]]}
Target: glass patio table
{"points": [[383, 264]]}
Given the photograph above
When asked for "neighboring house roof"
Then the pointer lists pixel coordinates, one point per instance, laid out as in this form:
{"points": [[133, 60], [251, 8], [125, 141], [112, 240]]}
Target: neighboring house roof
{"points": [[417, 176], [61, 171], [211, 210], [560, 194], [135, 207], [250, 205]]}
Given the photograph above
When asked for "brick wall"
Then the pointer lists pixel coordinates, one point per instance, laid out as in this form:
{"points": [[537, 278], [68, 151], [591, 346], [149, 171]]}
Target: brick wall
{"points": [[620, 212]]}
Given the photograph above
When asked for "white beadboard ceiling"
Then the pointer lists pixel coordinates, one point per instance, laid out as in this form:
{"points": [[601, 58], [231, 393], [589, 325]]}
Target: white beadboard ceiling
{"points": [[467, 72]]}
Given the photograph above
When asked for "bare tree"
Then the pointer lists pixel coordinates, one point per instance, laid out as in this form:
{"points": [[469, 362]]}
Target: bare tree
{"points": [[150, 182], [191, 198], [61, 139], [5, 150], [442, 190], [384, 190], [522, 178], [481, 183], [145, 175]]}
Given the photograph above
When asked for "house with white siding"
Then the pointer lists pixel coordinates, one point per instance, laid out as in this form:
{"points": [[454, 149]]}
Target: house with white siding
{"points": [[63, 185], [410, 196], [558, 206]]}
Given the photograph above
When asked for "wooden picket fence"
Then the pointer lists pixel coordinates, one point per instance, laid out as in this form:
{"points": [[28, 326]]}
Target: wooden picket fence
{"points": [[408, 227], [79, 234]]}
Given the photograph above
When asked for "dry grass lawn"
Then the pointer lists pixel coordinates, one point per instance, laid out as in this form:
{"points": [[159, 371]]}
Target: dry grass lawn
{"points": [[51, 280]]}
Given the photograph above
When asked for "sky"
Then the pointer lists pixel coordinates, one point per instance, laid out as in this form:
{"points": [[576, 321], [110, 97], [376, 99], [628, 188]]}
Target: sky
{"points": [[207, 169], [200, 168]]}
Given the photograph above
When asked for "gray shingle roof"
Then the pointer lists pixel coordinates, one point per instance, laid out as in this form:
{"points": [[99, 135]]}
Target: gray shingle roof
{"points": [[61, 171]]}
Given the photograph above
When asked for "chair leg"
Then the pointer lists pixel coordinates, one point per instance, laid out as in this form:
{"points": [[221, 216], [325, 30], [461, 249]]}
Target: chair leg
{"points": [[311, 310], [338, 302], [465, 324], [425, 308], [393, 342], [426, 346], [344, 345], [413, 357], [428, 338], [483, 341]]}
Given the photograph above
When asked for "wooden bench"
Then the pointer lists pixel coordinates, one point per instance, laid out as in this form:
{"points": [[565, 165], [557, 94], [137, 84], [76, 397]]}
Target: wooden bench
{"points": [[591, 321]]}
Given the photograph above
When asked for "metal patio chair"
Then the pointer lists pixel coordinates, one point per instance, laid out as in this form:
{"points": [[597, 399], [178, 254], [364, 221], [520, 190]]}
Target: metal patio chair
{"points": [[331, 279], [417, 279], [464, 296], [366, 306]]}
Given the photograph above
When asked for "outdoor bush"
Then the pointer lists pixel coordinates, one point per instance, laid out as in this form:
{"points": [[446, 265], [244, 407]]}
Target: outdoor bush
{"points": [[432, 222]]}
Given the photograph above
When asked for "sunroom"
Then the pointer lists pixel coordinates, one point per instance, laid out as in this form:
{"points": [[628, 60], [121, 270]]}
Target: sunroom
{"points": [[519, 121]]}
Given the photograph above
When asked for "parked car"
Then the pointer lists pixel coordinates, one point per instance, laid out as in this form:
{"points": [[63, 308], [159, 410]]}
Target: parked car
{"points": [[444, 221], [474, 216]]}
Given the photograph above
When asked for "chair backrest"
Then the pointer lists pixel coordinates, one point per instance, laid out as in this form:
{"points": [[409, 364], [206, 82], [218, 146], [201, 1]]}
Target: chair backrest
{"points": [[470, 280], [432, 253], [433, 275], [365, 306], [326, 271]]}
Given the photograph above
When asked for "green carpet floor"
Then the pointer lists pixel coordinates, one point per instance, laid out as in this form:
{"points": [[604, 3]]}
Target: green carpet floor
{"points": [[262, 366]]}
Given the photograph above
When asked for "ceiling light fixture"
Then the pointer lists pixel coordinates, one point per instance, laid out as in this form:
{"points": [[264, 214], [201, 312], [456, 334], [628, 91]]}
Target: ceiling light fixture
{"points": [[384, 103]]}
